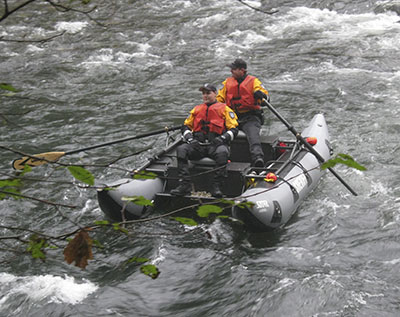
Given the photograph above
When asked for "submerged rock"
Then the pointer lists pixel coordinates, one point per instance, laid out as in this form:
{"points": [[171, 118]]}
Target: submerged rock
{"points": [[388, 6]]}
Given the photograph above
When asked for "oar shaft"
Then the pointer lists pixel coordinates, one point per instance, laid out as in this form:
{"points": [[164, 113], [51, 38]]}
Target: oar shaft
{"points": [[306, 144], [166, 129], [43, 158]]}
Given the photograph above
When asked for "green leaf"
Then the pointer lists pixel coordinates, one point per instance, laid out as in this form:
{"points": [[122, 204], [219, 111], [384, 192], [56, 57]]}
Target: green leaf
{"points": [[6, 183], [11, 186], [206, 210], [10, 182], [118, 227], [145, 175], [36, 247], [244, 204], [344, 159], [101, 222], [82, 174], [7, 87], [150, 270], [138, 200], [97, 244], [10, 192], [26, 169], [227, 202], [185, 221]]}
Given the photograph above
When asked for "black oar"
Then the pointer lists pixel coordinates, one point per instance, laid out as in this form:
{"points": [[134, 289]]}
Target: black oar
{"points": [[43, 158], [305, 143]]}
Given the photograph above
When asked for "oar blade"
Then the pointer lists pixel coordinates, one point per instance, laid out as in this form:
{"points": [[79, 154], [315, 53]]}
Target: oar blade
{"points": [[37, 159]]}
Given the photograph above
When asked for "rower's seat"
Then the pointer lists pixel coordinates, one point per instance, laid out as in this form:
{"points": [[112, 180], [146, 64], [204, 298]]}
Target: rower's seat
{"points": [[241, 135], [209, 162], [204, 162]]}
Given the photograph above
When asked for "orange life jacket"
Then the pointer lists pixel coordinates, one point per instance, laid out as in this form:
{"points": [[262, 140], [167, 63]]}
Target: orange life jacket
{"points": [[240, 96], [209, 118]]}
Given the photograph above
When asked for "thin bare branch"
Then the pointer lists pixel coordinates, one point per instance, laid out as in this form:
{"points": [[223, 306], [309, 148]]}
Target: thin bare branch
{"points": [[8, 12], [34, 41], [36, 199], [257, 9], [62, 8]]}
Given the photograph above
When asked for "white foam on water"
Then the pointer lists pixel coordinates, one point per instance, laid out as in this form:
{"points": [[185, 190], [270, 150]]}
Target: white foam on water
{"points": [[332, 25], [162, 254], [329, 206], [323, 279], [202, 22], [108, 56], [52, 289], [33, 48], [299, 252], [379, 188], [250, 37], [283, 284], [14, 28], [327, 67], [391, 262], [71, 27]]}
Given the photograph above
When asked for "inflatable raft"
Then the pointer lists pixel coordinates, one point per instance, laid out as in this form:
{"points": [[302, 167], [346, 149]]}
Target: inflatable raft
{"points": [[271, 194]]}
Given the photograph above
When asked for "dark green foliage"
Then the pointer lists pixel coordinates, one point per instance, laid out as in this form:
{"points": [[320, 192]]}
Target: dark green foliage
{"points": [[205, 210], [36, 246], [145, 175], [344, 159], [82, 174], [8, 87], [9, 186], [150, 270], [138, 200], [185, 221]]}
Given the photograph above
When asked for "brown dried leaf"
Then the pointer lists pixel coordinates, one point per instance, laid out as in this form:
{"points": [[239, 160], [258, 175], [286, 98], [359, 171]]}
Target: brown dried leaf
{"points": [[79, 249]]}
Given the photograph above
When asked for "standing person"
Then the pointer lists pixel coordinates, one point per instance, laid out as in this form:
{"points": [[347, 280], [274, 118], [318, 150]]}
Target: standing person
{"points": [[208, 131], [243, 93]]}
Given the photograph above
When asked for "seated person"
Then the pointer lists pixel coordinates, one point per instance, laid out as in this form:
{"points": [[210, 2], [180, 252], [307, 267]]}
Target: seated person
{"points": [[208, 131]]}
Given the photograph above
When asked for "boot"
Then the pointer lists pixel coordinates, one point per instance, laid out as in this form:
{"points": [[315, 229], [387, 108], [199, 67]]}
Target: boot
{"points": [[259, 162], [219, 179], [184, 188]]}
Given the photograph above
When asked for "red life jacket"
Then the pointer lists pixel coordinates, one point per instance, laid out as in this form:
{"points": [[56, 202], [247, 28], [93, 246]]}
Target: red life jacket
{"points": [[209, 118], [240, 96]]}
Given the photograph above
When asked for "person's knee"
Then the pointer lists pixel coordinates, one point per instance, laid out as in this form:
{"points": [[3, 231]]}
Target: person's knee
{"points": [[221, 155], [182, 152]]}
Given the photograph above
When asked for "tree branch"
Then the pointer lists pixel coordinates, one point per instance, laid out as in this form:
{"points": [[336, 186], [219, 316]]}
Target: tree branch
{"points": [[8, 12], [33, 41], [36, 199], [62, 8], [257, 9]]}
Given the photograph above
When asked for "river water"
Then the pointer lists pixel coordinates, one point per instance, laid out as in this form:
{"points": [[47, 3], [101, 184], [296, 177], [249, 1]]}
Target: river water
{"points": [[338, 256]]}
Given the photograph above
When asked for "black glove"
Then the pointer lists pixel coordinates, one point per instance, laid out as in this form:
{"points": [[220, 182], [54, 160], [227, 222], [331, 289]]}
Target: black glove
{"points": [[188, 137], [221, 139], [260, 95], [195, 144]]}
